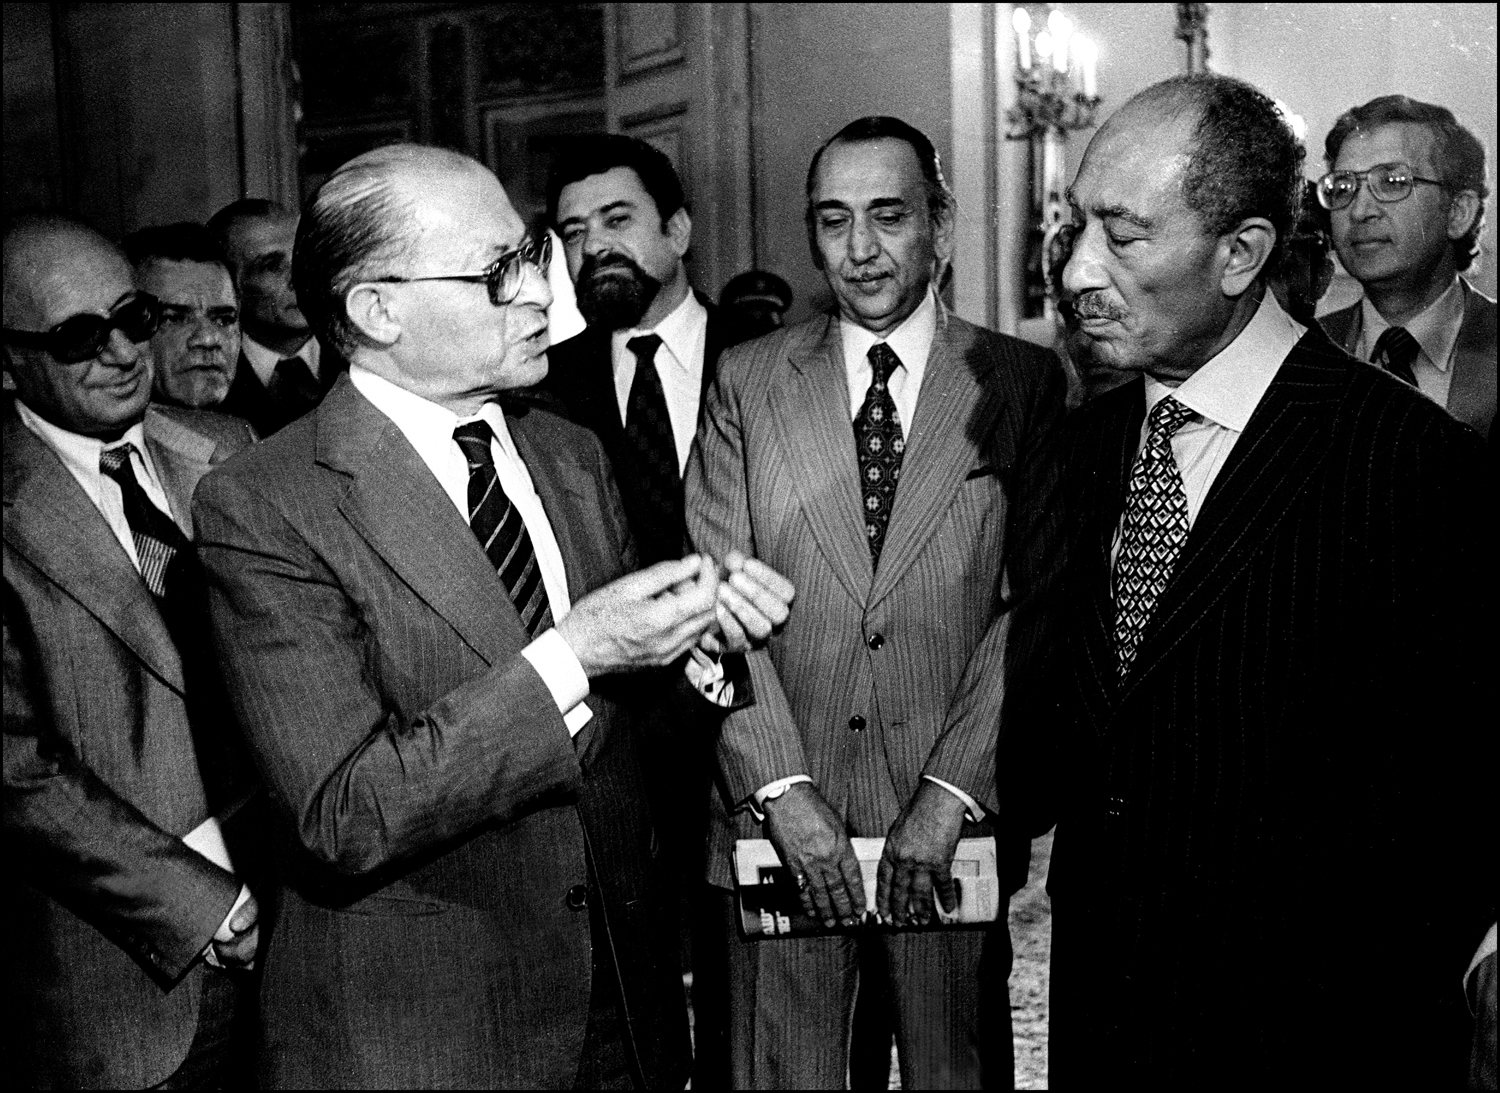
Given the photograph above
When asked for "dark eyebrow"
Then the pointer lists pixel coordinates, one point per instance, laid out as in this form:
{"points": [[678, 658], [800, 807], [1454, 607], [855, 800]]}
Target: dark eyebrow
{"points": [[224, 309], [1111, 212]]}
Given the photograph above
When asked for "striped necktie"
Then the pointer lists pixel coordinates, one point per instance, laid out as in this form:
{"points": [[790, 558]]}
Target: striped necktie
{"points": [[1395, 351], [158, 541], [498, 526]]}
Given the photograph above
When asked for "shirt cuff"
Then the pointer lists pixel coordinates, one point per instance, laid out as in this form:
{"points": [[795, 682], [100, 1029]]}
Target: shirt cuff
{"points": [[770, 790], [556, 663], [706, 674], [975, 813], [208, 839]]}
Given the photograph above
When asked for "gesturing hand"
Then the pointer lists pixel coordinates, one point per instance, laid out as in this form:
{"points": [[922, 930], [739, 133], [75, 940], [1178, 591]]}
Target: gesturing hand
{"points": [[918, 857], [754, 602], [244, 926], [812, 844], [644, 619]]}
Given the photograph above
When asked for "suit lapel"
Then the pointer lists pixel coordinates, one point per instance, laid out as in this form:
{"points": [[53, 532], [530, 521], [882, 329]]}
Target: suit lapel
{"points": [[811, 411], [400, 509], [570, 497], [1283, 444], [52, 522], [181, 457], [1471, 394], [940, 451]]}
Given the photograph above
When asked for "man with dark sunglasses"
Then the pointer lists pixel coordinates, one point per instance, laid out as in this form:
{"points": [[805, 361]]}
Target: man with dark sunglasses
{"points": [[1406, 192], [117, 771]]}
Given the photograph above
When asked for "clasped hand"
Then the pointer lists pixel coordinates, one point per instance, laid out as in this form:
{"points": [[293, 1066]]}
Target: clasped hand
{"points": [[652, 617]]}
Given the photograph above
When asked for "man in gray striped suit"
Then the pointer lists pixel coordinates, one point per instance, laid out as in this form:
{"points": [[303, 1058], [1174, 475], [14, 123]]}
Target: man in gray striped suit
{"points": [[893, 461]]}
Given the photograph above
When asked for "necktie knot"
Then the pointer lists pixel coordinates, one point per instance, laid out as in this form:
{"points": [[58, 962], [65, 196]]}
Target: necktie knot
{"points": [[111, 460], [644, 348], [883, 361], [1167, 416], [473, 440], [1396, 350]]}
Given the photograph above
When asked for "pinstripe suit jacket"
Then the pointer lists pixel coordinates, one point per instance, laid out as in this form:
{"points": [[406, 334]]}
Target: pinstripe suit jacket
{"points": [[1298, 738], [102, 779], [434, 812], [970, 540]]}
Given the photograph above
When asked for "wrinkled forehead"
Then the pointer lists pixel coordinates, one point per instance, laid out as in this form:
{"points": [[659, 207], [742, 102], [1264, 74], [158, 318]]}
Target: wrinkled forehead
{"points": [[1135, 163], [855, 173], [185, 282], [1397, 142], [460, 214], [50, 276]]}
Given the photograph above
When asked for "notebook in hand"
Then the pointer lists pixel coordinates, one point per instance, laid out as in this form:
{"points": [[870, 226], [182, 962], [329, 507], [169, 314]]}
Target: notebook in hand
{"points": [[770, 907]]}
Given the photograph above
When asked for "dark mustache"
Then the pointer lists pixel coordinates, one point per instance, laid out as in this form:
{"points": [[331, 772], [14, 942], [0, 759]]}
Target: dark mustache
{"points": [[1091, 305], [594, 263]]}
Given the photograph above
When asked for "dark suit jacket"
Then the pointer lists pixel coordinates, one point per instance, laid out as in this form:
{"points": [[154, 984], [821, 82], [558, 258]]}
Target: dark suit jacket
{"points": [[109, 910], [435, 817], [1280, 801], [580, 375], [969, 546], [251, 400], [1471, 394]]}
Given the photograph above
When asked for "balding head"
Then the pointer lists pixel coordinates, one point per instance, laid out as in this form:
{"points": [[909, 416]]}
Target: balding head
{"points": [[55, 268]]}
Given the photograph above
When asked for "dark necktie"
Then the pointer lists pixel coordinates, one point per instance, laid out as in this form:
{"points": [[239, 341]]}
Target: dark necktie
{"points": [[877, 436], [498, 526], [654, 489], [1395, 351], [294, 383], [1155, 528], [158, 541]]}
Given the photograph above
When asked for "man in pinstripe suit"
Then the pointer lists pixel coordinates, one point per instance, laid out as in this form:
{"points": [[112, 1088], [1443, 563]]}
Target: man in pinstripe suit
{"points": [[1270, 671], [892, 460]]}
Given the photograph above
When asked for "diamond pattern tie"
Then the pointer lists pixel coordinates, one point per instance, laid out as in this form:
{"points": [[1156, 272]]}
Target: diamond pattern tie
{"points": [[878, 439], [498, 526], [158, 541], [1156, 526], [1395, 351], [652, 487]]}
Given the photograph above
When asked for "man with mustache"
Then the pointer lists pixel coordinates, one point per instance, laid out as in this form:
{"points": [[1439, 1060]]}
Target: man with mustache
{"points": [[197, 346], [1270, 745], [896, 462], [1405, 190]]}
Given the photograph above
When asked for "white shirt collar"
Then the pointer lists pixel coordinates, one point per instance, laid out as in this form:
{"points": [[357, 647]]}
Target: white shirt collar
{"points": [[682, 332], [427, 425], [79, 453], [911, 340], [1230, 386], [1435, 328], [263, 361]]}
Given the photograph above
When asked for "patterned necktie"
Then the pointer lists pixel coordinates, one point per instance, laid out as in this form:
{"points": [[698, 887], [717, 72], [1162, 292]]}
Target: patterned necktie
{"points": [[652, 486], [158, 541], [877, 436], [1156, 526], [498, 526], [1395, 350]]}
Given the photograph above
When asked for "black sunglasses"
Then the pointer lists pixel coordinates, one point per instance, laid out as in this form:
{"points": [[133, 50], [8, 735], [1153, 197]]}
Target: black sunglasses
{"points": [[503, 277], [83, 337]]}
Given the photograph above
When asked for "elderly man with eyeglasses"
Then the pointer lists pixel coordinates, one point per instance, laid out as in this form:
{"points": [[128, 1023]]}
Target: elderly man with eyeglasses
{"points": [[1406, 192], [425, 604], [128, 925]]}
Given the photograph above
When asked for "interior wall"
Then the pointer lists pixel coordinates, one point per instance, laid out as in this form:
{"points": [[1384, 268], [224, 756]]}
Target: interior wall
{"points": [[814, 68], [32, 145]]}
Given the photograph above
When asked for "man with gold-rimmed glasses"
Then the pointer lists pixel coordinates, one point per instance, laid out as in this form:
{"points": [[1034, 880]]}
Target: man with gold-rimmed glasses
{"points": [[1405, 192]]}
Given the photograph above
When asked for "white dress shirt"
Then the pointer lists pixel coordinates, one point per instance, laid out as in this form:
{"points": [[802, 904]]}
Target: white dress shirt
{"points": [[80, 454], [1222, 395], [263, 361], [1436, 330], [679, 363], [429, 427], [911, 341]]}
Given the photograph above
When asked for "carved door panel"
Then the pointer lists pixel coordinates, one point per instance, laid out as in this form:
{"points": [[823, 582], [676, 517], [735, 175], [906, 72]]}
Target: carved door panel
{"points": [[677, 77]]}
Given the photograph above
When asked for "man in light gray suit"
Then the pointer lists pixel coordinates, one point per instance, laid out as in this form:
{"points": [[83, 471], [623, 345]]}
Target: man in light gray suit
{"points": [[894, 462]]}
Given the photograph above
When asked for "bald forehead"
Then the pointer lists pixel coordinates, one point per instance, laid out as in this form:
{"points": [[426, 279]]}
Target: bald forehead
{"points": [[42, 261]]}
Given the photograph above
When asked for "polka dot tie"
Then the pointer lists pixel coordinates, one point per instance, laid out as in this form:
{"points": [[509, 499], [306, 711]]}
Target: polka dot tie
{"points": [[1156, 526], [877, 436]]}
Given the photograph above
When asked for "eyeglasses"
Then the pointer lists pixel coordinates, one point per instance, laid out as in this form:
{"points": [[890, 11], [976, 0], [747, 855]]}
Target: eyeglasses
{"points": [[1389, 182], [80, 338], [503, 277]]}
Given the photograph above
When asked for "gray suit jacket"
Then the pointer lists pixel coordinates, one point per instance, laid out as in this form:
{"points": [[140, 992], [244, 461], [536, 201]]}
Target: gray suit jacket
{"points": [[101, 780], [1471, 394], [880, 676]]}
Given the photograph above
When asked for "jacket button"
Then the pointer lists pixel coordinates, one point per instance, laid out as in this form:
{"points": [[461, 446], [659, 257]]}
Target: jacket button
{"points": [[577, 898], [875, 641], [857, 723]]}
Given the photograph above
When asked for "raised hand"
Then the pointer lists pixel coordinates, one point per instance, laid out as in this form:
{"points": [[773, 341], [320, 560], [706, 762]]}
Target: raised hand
{"points": [[645, 619], [754, 602]]}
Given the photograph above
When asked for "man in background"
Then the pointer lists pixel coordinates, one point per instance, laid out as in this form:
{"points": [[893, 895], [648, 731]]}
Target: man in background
{"points": [[126, 918], [754, 303], [283, 370], [1406, 192]]}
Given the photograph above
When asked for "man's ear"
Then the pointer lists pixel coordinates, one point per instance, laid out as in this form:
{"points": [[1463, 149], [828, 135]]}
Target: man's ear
{"points": [[680, 231], [1461, 213], [1248, 247], [374, 313]]}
